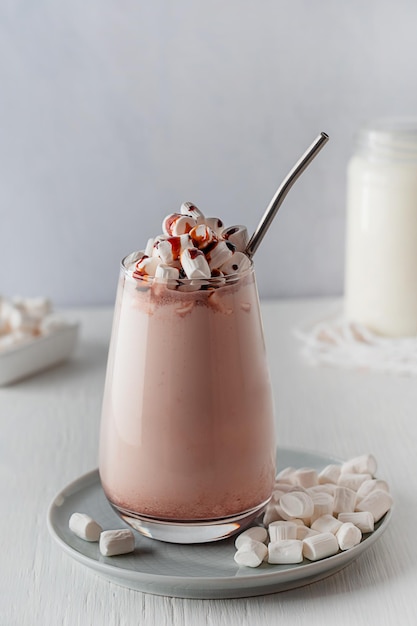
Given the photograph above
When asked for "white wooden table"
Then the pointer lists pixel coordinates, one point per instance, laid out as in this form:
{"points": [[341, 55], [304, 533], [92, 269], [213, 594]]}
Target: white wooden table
{"points": [[49, 431]]}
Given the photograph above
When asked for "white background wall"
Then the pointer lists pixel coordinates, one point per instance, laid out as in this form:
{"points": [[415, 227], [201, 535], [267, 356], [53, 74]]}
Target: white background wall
{"points": [[113, 112]]}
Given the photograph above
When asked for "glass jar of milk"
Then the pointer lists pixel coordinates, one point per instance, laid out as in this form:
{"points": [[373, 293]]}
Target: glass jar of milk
{"points": [[381, 249]]}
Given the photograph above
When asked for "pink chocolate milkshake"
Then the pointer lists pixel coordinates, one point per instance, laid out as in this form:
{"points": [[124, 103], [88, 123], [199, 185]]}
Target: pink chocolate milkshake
{"points": [[187, 428]]}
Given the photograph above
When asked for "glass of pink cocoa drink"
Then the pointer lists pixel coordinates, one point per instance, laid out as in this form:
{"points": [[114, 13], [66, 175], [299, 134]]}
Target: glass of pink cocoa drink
{"points": [[187, 446]]}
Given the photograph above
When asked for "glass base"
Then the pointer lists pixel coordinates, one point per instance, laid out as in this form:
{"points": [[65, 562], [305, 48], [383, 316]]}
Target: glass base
{"points": [[188, 531]]}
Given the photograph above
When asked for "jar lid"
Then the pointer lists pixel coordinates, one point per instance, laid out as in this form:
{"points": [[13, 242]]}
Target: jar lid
{"points": [[389, 139]]}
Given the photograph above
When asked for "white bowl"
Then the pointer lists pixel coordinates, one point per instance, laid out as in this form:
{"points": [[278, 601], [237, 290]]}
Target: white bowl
{"points": [[35, 355]]}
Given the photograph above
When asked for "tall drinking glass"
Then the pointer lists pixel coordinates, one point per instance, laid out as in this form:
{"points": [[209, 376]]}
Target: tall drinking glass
{"points": [[187, 447]]}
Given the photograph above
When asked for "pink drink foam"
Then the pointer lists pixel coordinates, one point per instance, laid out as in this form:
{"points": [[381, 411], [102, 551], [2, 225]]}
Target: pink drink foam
{"points": [[187, 425]]}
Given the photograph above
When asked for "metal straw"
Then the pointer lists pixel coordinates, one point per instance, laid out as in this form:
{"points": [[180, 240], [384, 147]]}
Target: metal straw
{"points": [[282, 191]]}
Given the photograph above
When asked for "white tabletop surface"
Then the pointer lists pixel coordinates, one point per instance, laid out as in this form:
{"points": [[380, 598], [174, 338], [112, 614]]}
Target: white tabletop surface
{"points": [[49, 432]]}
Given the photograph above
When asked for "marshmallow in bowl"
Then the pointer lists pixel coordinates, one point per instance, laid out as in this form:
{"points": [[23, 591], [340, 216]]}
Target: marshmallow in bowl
{"points": [[20, 319], [25, 319]]}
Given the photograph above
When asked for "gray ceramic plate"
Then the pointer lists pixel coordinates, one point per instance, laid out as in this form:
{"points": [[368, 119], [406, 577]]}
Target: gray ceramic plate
{"points": [[188, 571]]}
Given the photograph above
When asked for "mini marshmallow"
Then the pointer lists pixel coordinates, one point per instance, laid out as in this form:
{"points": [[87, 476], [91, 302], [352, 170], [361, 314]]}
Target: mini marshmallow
{"points": [[370, 485], [286, 475], [236, 263], [326, 524], [188, 208], [156, 242], [195, 264], [323, 505], [169, 250], [306, 477], [251, 553], [353, 480], [320, 546], [255, 533], [21, 320], [177, 224], [215, 224], [287, 517], [167, 272], [114, 542], [146, 267], [364, 520], [377, 502], [344, 499], [330, 474], [84, 527], [201, 236], [237, 235], [285, 551], [364, 464], [280, 530], [297, 504], [218, 253], [37, 307], [168, 221], [131, 259], [348, 536], [183, 225]]}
